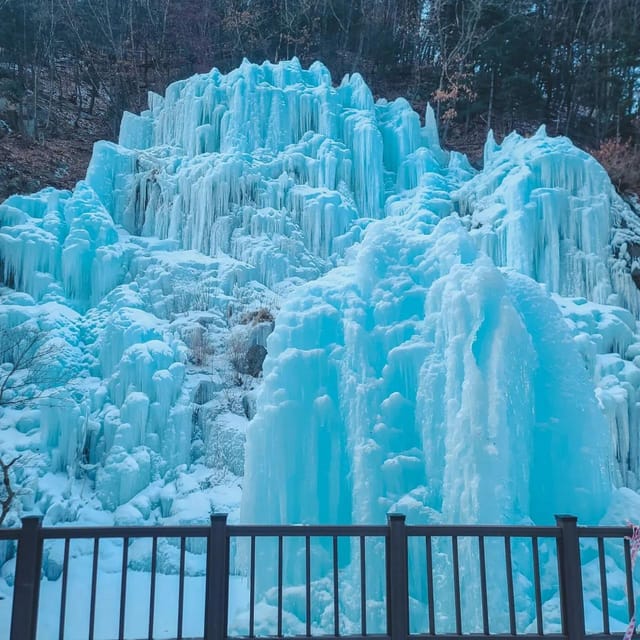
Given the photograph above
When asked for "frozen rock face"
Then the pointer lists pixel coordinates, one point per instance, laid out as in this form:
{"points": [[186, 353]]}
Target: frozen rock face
{"points": [[547, 209], [434, 384], [265, 176], [442, 330], [478, 361], [270, 164]]}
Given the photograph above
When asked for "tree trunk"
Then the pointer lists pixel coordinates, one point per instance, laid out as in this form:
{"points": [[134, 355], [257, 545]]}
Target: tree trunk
{"points": [[491, 89]]}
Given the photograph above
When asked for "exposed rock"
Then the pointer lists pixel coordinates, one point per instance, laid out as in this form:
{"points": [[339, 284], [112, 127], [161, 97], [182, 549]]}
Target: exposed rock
{"points": [[205, 391], [249, 405], [253, 362]]}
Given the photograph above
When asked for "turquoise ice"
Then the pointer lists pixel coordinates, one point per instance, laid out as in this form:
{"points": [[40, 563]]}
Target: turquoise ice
{"points": [[455, 344]]}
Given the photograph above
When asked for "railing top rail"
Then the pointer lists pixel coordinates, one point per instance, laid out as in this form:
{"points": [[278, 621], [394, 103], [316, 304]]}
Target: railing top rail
{"points": [[267, 530], [488, 530], [614, 635], [347, 636], [202, 531], [9, 534], [492, 636], [272, 530], [604, 532], [172, 531]]}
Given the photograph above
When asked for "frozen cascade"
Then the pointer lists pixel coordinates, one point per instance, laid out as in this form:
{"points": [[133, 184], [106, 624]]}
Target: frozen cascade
{"points": [[420, 378], [547, 209], [441, 329], [407, 354], [217, 151]]}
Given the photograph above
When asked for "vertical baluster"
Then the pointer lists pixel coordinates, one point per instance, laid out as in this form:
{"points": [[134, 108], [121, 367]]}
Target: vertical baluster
{"points": [[183, 542], [456, 584], [308, 583], [152, 588], [63, 594], [94, 582], [629, 572], [604, 592], [252, 587], [363, 587], [123, 587], [430, 595], [537, 585], [483, 586], [510, 593], [280, 561], [336, 599]]}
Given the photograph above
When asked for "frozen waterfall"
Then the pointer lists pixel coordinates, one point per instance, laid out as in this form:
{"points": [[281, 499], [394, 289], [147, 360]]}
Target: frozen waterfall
{"points": [[459, 345]]}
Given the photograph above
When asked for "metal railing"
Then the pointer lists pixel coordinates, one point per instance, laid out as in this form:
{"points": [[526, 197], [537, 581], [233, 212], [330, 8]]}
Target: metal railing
{"points": [[395, 552]]}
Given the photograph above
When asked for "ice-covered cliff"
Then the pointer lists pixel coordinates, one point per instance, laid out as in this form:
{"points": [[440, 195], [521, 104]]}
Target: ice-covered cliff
{"points": [[459, 345], [435, 383]]}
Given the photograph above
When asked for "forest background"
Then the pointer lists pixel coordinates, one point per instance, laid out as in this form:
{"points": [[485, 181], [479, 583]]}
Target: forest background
{"points": [[68, 68]]}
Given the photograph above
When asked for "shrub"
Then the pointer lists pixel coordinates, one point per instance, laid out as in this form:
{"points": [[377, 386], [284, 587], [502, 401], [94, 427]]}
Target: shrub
{"points": [[621, 159], [197, 340], [245, 356], [257, 316]]}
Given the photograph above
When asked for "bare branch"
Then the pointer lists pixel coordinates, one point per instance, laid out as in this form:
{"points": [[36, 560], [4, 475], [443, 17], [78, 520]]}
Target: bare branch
{"points": [[9, 492], [27, 365]]}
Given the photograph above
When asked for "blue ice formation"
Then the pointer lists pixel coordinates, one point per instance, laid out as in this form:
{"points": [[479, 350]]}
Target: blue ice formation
{"points": [[421, 378], [454, 344]]}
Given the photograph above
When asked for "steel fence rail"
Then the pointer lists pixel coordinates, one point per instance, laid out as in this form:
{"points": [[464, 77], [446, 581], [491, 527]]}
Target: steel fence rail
{"points": [[399, 542]]}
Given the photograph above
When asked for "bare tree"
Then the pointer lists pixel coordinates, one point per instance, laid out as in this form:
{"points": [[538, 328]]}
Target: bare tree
{"points": [[26, 358], [7, 492], [26, 374]]}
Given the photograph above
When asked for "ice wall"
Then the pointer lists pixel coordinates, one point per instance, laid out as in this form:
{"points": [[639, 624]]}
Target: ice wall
{"points": [[423, 379], [270, 164], [547, 209], [420, 361], [182, 183]]}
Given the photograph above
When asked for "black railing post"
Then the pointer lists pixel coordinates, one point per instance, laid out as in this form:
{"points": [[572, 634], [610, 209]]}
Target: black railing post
{"points": [[24, 615], [217, 589], [397, 578], [570, 574]]}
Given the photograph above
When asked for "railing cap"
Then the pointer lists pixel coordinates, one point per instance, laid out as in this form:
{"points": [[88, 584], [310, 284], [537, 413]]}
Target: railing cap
{"points": [[564, 517], [217, 518], [31, 522], [396, 517]]}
